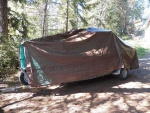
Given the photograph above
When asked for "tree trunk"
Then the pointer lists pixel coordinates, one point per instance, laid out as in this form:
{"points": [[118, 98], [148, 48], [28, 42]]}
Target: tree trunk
{"points": [[67, 15], [3, 17], [45, 22]]}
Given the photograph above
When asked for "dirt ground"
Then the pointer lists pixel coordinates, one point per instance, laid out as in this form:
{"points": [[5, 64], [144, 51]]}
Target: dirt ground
{"points": [[101, 95]]}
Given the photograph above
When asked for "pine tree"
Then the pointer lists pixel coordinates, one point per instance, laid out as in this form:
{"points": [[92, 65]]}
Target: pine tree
{"points": [[3, 18]]}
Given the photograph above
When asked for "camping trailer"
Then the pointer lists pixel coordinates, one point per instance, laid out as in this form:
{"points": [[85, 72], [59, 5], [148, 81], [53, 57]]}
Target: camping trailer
{"points": [[74, 56]]}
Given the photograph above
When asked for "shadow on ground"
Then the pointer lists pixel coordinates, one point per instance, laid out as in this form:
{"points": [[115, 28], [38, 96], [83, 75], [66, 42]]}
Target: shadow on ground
{"points": [[102, 94], [97, 85], [1, 110]]}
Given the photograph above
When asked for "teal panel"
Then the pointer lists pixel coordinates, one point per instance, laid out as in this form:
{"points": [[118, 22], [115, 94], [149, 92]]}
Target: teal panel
{"points": [[22, 57], [43, 80]]}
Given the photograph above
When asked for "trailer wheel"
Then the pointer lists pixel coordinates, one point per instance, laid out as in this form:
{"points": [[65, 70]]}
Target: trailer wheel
{"points": [[123, 74], [23, 79]]}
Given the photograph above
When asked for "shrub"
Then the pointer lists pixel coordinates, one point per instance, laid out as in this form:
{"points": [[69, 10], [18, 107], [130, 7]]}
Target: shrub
{"points": [[9, 62], [126, 37], [141, 51]]}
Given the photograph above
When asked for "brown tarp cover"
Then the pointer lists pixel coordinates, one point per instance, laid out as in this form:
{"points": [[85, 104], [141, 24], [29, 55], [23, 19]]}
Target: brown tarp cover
{"points": [[76, 55]]}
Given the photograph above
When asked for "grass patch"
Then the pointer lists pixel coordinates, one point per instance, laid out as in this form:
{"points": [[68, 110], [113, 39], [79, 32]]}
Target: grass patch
{"points": [[141, 51]]}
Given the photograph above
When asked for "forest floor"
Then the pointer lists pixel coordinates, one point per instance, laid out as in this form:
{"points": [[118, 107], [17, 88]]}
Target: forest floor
{"points": [[105, 94]]}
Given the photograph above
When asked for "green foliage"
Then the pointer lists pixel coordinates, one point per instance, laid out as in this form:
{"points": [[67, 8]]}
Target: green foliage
{"points": [[19, 23], [141, 51], [139, 32], [115, 15], [9, 62], [76, 9], [18, 26], [126, 37]]}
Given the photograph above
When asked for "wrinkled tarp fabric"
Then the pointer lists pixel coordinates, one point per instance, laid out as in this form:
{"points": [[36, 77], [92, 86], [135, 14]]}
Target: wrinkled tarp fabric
{"points": [[76, 55]]}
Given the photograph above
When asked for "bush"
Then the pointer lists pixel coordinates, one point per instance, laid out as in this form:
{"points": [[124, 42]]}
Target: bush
{"points": [[141, 51], [126, 37], [9, 62]]}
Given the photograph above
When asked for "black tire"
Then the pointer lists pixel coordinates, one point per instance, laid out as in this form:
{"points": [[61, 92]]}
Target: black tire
{"points": [[123, 74], [23, 79]]}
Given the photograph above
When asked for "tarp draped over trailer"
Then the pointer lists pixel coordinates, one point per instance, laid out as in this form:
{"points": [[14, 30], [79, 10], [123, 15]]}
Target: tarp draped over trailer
{"points": [[76, 55]]}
